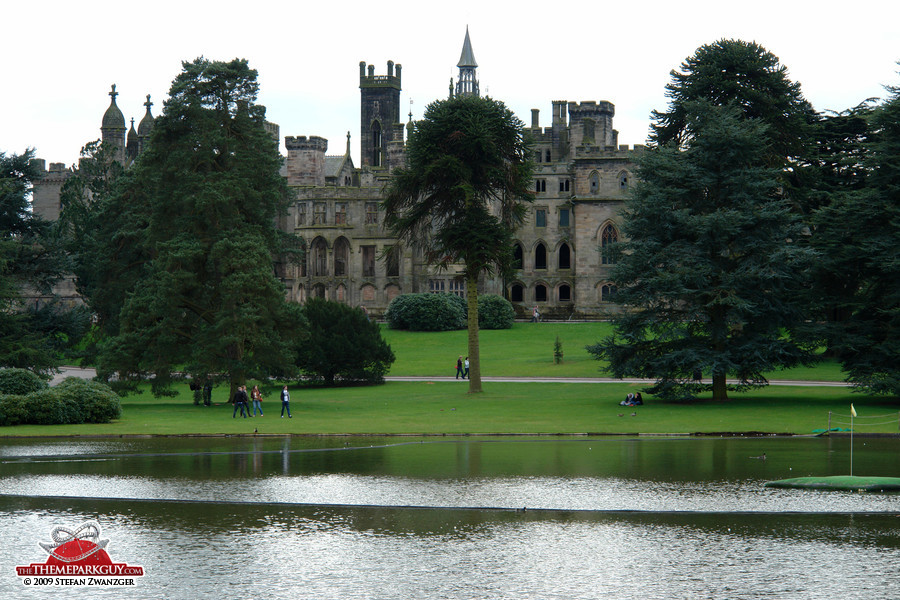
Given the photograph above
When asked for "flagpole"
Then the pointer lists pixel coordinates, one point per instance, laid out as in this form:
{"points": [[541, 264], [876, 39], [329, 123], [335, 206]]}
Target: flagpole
{"points": [[852, 414]]}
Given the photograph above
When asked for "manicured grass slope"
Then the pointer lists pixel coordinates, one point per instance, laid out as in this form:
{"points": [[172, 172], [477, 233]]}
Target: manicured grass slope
{"points": [[445, 407], [526, 350]]}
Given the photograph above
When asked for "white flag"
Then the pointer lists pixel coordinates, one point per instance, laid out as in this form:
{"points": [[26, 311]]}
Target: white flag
{"points": [[852, 410]]}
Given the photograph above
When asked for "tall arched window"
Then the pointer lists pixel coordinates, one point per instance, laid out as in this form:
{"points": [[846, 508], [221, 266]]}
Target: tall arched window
{"points": [[341, 257], [319, 258], [564, 293], [540, 257], [565, 257], [608, 237], [516, 293], [540, 293], [376, 144], [595, 183], [518, 256]]}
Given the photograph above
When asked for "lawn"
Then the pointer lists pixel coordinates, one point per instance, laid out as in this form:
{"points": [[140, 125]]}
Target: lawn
{"points": [[445, 407], [526, 350]]}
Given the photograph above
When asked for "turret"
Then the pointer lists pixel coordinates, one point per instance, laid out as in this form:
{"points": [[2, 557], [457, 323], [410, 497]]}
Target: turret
{"points": [[467, 84], [305, 162], [112, 130]]}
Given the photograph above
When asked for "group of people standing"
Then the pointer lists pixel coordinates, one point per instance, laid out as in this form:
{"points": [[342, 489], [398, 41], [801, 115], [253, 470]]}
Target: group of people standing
{"points": [[242, 402], [462, 367]]}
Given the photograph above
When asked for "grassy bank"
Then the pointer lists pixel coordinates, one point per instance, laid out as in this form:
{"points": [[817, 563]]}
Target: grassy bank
{"points": [[445, 407], [526, 350]]}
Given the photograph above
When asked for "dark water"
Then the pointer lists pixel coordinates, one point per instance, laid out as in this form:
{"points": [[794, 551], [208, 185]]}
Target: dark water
{"points": [[442, 518]]}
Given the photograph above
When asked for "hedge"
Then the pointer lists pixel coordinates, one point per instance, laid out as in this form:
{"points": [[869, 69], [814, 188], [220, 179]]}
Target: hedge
{"points": [[20, 381], [73, 401]]}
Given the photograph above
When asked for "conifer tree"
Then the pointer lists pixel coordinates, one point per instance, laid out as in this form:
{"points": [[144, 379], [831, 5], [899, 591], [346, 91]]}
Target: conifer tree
{"points": [[208, 190], [463, 193], [711, 265]]}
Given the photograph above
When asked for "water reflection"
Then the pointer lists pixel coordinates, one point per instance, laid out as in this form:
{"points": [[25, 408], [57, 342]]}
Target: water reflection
{"points": [[251, 550]]}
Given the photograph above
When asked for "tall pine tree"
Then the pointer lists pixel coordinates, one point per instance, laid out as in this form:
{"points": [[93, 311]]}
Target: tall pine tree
{"points": [[711, 264], [208, 189]]}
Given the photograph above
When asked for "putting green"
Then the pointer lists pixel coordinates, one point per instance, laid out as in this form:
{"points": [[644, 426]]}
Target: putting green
{"points": [[840, 482]]}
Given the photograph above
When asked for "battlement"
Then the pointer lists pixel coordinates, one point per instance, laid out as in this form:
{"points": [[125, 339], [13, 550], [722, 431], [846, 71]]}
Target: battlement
{"points": [[368, 78], [620, 151], [591, 107], [301, 142]]}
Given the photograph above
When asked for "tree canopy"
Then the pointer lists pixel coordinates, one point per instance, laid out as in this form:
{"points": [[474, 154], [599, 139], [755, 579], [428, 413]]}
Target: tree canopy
{"points": [[709, 273], [860, 233], [463, 193], [31, 262], [342, 345], [192, 223]]}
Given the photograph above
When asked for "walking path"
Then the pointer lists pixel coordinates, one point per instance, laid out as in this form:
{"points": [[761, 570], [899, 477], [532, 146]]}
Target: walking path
{"points": [[90, 373]]}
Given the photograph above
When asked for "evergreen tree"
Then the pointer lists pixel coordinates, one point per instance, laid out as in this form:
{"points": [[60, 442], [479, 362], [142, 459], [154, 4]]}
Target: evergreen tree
{"points": [[711, 264], [342, 344], [863, 231], [31, 261], [205, 194], [463, 194]]}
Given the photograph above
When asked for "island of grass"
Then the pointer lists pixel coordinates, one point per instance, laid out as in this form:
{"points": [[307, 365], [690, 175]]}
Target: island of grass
{"points": [[840, 482]]}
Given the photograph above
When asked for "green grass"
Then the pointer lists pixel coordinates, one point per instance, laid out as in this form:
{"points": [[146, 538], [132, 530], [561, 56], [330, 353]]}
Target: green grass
{"points": [[526, 350], [445, 407]]}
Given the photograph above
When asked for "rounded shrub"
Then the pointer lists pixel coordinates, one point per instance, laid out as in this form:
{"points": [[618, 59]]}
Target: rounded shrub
{"points": [[95, 401], [495, 312], [52, 407], [426, 312], [20, 381], [13, 409]]}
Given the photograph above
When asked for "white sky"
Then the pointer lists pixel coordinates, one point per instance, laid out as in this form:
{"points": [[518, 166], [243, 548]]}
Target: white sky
{"points": [[62, 57]]}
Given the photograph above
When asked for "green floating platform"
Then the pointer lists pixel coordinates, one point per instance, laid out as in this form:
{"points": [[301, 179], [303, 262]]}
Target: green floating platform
{"points": [[840, 482]]}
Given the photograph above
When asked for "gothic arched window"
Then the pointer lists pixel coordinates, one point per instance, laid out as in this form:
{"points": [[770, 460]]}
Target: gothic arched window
{"points": [[608, 237]]}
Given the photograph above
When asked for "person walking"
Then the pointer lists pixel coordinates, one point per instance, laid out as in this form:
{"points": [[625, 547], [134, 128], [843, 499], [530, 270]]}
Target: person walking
{"points": [[466, 365], [459, 367], [257, 401], [240, 402], [285, 402]]}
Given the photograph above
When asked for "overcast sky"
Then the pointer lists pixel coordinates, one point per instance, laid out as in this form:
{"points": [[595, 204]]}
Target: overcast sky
{"points": [[62, 57]]}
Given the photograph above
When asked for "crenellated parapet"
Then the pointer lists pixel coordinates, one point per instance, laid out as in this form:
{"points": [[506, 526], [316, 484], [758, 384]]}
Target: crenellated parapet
{"points": [[305, 163]]}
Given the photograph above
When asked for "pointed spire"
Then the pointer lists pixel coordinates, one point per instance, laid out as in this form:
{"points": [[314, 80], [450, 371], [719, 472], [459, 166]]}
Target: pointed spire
{"points": [[348, 144], [467, 57], [467, 83], [146, 123]]}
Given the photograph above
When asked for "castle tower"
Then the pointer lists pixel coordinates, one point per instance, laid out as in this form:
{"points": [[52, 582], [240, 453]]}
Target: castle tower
{"points": [[467, 84], [305, 162], [131, 146], [112, 130], [145, 127], [380, 112]]}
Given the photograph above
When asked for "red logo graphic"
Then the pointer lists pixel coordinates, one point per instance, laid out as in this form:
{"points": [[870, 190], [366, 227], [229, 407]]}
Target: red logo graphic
{"points": [[78, 557]]}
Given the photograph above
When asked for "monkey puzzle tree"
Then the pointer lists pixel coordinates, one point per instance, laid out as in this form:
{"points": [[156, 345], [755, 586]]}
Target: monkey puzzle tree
{"points": [[463, 193]]}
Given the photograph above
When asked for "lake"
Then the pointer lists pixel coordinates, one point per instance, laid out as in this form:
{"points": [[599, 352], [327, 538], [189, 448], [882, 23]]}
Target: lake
{"points": [[562, 517]]}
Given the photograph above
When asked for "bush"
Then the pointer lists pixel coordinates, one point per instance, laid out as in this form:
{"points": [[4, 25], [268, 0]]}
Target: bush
{"points": [[343, 344], [13, 409], [427, 312], [72, 402], [495, 312], [20, 381], [96, 401]]}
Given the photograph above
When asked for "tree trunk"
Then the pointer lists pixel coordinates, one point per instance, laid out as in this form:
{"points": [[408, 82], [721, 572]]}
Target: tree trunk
{"points": [[720, 387], [474, 356]]}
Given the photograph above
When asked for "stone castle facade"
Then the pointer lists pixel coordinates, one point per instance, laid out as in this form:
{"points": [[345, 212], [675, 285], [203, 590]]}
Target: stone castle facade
{"points": [[581, 178]]}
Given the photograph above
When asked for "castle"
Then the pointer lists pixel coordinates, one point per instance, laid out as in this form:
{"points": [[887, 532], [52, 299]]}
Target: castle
{"points": [[580, 181]]}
